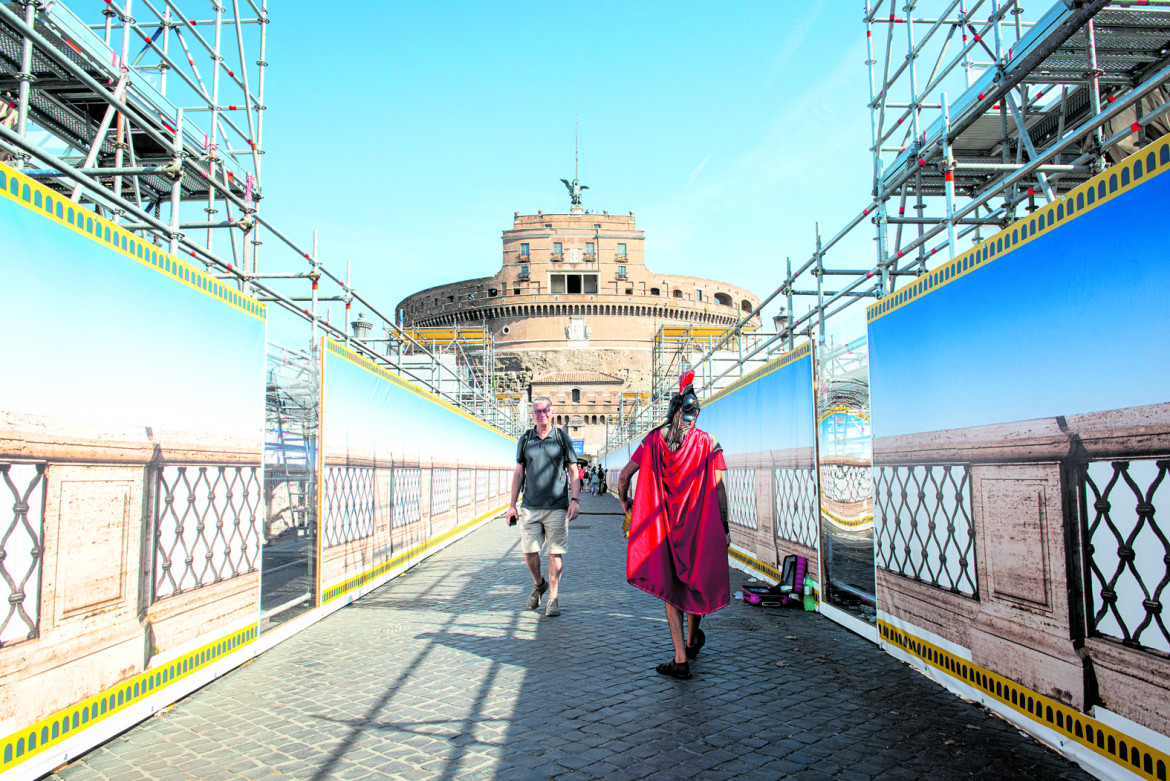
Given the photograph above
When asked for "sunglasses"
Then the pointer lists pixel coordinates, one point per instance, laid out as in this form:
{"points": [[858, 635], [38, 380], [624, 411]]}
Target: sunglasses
{"points": [[547, 411]]}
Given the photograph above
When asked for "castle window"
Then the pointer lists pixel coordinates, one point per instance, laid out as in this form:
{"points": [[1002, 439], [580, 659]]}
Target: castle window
{"points": [[621, 273], [590, 249], [524, 250], [746, 305], [450, 299], [621, 250], [724, 299], [677, 293], [698, 295], [524, 272], [558, 251], [655, 291], [576, 395], [573, 284]]}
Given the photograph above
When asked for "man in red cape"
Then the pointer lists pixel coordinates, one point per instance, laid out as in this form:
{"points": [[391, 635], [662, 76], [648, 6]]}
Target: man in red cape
{"points": [[678, 527]]}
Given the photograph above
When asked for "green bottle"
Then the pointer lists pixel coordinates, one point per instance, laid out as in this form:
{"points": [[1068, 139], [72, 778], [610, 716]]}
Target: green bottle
{"points": [[810, 598]]}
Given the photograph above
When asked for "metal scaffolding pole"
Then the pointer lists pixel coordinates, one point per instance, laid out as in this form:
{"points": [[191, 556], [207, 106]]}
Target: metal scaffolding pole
{"points": [[173, 140]]}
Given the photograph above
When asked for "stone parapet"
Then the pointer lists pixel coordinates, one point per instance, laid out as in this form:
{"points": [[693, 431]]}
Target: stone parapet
{"points": [[1030, 511], [98, 620]]}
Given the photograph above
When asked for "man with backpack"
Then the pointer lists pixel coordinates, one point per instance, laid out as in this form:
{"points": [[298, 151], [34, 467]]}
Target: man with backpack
{"points": [[546, 469]]}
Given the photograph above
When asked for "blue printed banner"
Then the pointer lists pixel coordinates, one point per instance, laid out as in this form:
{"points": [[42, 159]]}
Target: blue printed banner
{"points": [[770, 409], [108, 329], [1060, 314], [372, 412]]}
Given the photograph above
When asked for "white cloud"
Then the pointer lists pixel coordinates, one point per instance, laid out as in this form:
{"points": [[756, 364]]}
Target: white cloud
{"points": [[699, 168], [793, 42]]}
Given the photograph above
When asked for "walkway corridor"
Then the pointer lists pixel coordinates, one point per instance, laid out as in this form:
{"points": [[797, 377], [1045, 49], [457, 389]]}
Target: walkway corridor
{"points": [[443, 674]]}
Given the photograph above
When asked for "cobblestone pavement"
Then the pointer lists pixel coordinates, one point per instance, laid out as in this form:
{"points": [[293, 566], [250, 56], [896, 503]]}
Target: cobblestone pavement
{"points": [[442, 673]]}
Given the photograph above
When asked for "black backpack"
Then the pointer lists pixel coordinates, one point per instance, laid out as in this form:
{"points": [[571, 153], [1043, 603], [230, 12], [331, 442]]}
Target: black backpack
{"points": [[562, 440]]}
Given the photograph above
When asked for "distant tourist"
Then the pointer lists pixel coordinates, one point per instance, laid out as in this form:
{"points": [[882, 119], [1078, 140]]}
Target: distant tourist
{"points": [[546, 470], [678, 527], [594, 480]]}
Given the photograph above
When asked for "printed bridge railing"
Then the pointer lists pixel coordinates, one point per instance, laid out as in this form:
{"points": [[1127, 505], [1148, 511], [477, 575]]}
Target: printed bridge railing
{"points": [[796, 503], [206, 525], [348, 503], [1126, 550], [22, 544], [923, 527]]}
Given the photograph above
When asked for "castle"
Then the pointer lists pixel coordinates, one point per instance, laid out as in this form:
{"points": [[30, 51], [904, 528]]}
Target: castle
{"points": [[573, 312]]}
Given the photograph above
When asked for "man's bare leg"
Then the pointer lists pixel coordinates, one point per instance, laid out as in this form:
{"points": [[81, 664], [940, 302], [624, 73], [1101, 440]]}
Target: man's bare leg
{"points": [[533, 562], [555, 565], [674, 618]]}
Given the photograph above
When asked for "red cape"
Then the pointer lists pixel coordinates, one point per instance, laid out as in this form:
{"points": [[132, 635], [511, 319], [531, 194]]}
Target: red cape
{"points": [[677, 549]]}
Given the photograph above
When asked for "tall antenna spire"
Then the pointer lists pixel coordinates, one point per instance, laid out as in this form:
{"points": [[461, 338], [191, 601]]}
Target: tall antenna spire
{"points": [[575, 187]]}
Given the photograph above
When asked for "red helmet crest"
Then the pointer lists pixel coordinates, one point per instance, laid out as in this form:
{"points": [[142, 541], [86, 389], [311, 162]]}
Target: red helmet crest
{"points": [[687, 379]]}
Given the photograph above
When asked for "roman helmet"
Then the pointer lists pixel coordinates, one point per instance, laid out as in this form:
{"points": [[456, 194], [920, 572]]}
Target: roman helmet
{"points": [[685, 399]]}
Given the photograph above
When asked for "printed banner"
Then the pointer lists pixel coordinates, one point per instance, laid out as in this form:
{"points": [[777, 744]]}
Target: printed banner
{"points": [[1057, 315], [106, 328], [371, 412], [769, 409]]}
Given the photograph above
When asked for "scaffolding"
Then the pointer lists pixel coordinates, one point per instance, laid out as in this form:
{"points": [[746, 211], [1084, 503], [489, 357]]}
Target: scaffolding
{"points": [[153, 117], [976, 113]]}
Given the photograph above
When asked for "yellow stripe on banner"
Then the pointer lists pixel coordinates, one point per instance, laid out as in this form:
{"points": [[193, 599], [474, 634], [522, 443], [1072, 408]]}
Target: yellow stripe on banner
{"points": [[759, 566], [849, 523], [1128, 752], [381, 372], [1136, 169], [763, 371], [44, 202], [30, 741], [850, 411], [357, 581]]}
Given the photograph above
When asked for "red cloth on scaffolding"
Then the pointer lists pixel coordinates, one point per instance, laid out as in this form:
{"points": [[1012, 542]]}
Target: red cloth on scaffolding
{"points": [[677, 549]]}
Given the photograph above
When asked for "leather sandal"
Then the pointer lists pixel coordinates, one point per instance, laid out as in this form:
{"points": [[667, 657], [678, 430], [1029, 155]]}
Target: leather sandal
{"points": [[680, 670], [693, 650]]}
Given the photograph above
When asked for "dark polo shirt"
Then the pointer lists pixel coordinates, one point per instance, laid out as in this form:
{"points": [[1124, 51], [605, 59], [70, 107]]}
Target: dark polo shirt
{"points": [[546, 484]]}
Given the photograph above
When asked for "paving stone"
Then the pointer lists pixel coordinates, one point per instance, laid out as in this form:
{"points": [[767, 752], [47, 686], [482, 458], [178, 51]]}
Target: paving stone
{"points": [[471, 685]]}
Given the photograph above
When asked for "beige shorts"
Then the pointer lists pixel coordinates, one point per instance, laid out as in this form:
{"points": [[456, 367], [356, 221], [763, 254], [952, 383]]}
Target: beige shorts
{"points": [[537, 526]]}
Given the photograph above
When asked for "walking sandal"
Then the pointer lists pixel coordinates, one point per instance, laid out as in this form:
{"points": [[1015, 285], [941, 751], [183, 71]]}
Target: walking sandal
{"points": [[693, 650], [680, 670]]}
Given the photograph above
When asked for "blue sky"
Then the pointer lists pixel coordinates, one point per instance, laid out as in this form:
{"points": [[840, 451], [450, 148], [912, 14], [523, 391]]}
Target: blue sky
{"points": [[728, 128]]}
